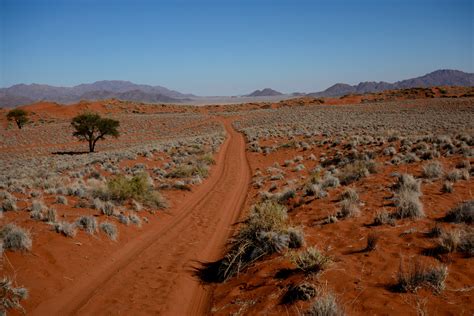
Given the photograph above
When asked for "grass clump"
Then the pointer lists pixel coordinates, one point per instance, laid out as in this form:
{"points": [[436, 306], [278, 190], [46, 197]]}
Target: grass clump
{"points": [[382, 218], [15, 238], [325, 306], [11, 296], [372, 240], [67, 229], [433, 170], [418, 275], [264, 232], [310, 260], [303, 291], [409, 205], [462, 213], [109, 229], [87, 223], [407, 197], [187, 171], [355, 171], [138, 187]]}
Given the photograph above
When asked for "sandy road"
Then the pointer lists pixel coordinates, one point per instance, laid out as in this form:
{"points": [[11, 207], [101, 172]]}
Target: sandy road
{"points": [[153, 273]]}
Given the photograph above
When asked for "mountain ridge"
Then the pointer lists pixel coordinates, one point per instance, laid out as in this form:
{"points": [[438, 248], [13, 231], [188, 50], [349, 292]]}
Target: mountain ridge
{"points": [[441, 77]]}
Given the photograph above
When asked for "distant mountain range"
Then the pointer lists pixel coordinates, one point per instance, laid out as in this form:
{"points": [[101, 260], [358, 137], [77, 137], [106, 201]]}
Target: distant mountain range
{"points": [[443, 77], [124, 90], [267, 92], [21, 94]]}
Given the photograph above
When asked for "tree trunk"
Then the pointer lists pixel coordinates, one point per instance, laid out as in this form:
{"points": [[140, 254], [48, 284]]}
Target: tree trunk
{"points": [[18, 124], [91, 146]]}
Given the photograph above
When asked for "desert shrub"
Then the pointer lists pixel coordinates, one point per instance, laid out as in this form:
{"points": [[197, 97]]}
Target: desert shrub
{"points": [[406, 182], [303, 291], [418, 275], [372, 240], [50, 215], [325, 306], [15, 238], [137, 187], [349, 194], [449, 241], [315, 190], [107, 208], [60, 199], [37, 206], [310, 260], [349, 208], [383, 217], [207, 159], [330, 181], [409, 205], [466, 243], [123, 219], [447, 187], [109, 229], [454, 175], [463, 212], [87, 223], [135, 220], [9, 204], [435, 231], [264, 232], [433, 170], [296, 237], [355, 171], [67, 229], [186, 171], [10, 296], [285, 195]]}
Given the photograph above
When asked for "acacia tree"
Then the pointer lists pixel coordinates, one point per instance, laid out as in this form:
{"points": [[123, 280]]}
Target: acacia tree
{"points": [[19, 116], [91, 127]]}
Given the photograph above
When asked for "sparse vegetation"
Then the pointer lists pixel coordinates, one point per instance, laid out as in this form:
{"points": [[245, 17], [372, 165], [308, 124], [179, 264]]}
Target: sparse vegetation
{"points": [[310, 260], [418, 275], [11, 296], [15, 238]]}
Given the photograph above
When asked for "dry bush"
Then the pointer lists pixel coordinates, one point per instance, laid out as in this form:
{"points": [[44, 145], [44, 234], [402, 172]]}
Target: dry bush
{"points": [[372, 240], [447, 187], [87, 223], [264, 232], [310, 260], [418, 275], [325, 306], [355, 171], [67, 229], [463, 212], [11, 296], [303, 291], [383, 217], [406, 182], [409, 205], [109, 229], [433, 170], [15, 238]]}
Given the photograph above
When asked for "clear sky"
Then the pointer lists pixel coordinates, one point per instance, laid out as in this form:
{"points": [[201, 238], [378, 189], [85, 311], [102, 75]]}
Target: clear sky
{"points": [[232, 47]]}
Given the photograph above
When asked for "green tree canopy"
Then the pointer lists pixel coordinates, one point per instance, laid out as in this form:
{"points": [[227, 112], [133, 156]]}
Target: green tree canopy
{"points": [[19, 116], [91, 127]]}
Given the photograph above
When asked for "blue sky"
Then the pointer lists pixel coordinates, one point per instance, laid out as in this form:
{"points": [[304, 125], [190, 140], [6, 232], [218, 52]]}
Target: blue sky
{"points": [[232, 47]]}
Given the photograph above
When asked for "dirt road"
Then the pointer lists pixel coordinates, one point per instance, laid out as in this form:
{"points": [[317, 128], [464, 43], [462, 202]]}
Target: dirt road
{"points": [[153, 274]]}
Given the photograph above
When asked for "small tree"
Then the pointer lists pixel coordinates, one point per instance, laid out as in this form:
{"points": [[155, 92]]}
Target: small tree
{"points": [[19, 116], [91, 127]]}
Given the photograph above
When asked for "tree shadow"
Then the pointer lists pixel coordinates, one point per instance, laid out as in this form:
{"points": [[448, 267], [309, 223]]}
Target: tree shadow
{"points": [[70, 153]]}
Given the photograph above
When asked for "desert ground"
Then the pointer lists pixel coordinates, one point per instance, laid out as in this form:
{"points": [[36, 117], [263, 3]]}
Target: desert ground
{"points": [[355, 205]]}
